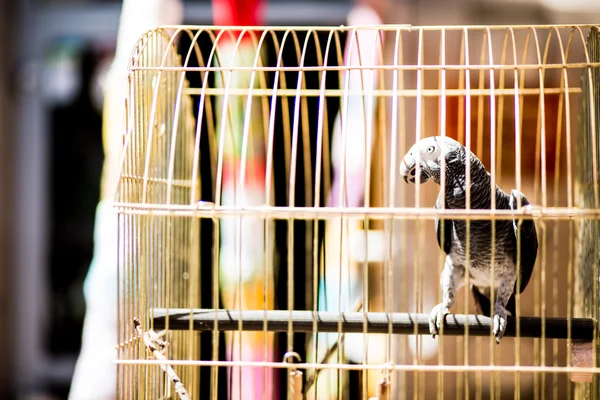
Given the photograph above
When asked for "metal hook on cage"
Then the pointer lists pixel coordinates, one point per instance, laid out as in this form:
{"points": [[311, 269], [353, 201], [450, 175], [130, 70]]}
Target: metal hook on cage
{"points": [[295, 382], [383, 386]]}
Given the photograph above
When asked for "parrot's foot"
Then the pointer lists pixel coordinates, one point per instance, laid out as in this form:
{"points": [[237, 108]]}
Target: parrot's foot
{"points": [[500, 315], [436, 318]]}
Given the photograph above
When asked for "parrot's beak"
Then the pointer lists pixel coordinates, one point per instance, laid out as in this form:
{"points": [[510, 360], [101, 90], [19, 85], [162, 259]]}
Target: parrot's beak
{"points": [[408, 170]]}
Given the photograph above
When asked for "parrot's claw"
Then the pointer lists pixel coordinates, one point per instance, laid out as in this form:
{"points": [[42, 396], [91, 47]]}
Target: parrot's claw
{"points": [[500, 315], [436, 318]]}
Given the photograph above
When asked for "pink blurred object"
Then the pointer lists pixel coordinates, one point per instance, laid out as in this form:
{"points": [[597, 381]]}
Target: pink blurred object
{"points": [[355, 119], [351, 152]]}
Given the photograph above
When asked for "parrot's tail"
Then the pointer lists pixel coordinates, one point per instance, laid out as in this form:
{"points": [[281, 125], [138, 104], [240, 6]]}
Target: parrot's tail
{"points": [[482, 303]]}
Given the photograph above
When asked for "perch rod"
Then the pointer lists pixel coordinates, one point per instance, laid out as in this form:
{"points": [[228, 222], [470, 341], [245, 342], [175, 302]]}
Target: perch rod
{"points": [[353, 322]]}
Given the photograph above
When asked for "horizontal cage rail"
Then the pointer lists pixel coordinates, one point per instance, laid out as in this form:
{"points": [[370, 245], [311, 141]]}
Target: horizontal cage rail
{"points": [[449, 92], [384, 27], [457, 369], [209, 210], [354, 322], [385, 67]]}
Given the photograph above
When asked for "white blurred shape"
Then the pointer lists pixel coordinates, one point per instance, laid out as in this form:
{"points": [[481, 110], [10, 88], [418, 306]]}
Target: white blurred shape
{"points": [[370, 248]]}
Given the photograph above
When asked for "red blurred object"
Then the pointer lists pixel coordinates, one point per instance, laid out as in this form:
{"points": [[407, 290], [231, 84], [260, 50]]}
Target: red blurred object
{"points": [[238, 12]]}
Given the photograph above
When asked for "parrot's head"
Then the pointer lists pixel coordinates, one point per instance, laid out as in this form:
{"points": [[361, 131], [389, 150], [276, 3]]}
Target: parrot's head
{"points": [[428, 153]]}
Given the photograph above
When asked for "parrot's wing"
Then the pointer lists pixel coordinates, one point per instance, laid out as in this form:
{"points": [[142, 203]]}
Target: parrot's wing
{"points": [[528, 239], [446, 245]]}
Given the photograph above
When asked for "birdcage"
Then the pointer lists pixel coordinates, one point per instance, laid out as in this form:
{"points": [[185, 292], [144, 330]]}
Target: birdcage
{"points": [[269, 248]]}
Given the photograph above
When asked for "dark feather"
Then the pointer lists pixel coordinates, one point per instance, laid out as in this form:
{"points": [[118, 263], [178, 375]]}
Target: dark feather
{"points": [[447, 229], [528, 240]]}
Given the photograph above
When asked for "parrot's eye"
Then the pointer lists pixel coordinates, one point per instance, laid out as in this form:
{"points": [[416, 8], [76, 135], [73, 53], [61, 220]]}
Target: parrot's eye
{"points": [[430, 149]]}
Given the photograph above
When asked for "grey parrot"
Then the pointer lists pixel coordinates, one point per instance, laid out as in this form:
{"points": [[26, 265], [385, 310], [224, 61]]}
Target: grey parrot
{"points": [[429, 153]]}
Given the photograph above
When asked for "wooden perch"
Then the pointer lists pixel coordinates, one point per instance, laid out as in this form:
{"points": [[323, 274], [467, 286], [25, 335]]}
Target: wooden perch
{"points": [[157, 346], [377, 322]]}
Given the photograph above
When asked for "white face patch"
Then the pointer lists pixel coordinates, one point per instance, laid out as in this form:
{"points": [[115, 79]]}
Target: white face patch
{"points": [[430, 152], [427, 156]]}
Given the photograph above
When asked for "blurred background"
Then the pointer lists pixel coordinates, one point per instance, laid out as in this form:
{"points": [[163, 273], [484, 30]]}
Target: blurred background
{"points": [[55, 54]]}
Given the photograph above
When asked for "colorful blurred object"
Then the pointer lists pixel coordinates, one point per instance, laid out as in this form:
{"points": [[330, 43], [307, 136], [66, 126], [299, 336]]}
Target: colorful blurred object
{"points": [[243, 262], [340, 288]]}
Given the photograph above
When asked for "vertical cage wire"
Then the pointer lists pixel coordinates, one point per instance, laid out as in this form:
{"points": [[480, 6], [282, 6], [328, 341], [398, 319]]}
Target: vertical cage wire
{"points": [[323, 116]]}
